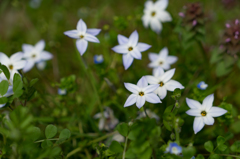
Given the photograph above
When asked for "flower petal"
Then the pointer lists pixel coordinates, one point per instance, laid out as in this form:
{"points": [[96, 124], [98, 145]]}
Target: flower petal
{"points": [[171, 59], [153, 56], [140, 101], [82, 45], [168, 75], [122, 39], [4, 58], [143, 47], [194, 112], [127, 60], [208, 102], [91, 38], [136, 54], [40, 45], [19, 64], [172, 85], [157, 72], [216, 111], [193, 104], [156, 25], [93, 32], [142, 82], [9, 92], [146, 20], [45, 55], [152, 98], [161, 4], [72, 34], [132, 87], [81, 26], [164, 16], [208, 120], [121, 49], [163, 54], [133, 39], [41, 65], [29, 65], [198, 124], [150, 88], [162, 92], [16, 57], [27, 48], [148, 4], [131, 100], [151, 79]]}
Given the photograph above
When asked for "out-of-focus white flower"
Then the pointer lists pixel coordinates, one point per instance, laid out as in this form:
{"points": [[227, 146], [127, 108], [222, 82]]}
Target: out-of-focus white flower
{"points": [[161, 60], [202, 85], [164, 80], [35, 54], [62, 91], [204, 112], [141, 92], [130, 48], [83, 35], [107, 120], [9, 92], [118, 137], [98, 59], [41, 65], [149, 113], [14, 63], [174, 148], [155, 14]]}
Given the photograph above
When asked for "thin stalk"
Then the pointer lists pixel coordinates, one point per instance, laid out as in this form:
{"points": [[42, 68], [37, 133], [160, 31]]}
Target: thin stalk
{"points": [[125, 148], [45, 139], [144, 108]]}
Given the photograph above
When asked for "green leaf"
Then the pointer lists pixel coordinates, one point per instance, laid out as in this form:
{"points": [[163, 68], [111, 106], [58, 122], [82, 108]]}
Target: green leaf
{"points": [[65, 134], [222, 70], [235, 147], [208, 146], [200, 156], [188, 152], [50, 131], [17, 85], [33, 81], [3, 100], [176, 94], [5, 71], [123, 129], [214, 156], [222, 147], [35, 133], [220, 140], [116, 147], [46, 144], [3, 87]]}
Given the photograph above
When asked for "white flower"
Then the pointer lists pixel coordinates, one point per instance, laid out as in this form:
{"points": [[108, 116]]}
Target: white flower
{"points": [[161, 60], [130, 48], [164, 81], [62, 91], [174, 148], [83, 35], [14, 63], [35, 54], [107, 119], [204, 112], [202, 85], [149, 113], [118, 137], [141, 92], [41, 65], [98, 59], [10, 89], [154, 14]]}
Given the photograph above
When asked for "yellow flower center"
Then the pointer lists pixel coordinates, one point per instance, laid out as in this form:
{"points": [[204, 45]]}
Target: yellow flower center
{"points": [[141, 93], [161, 84], [130, 49], [33, 56], [81, 36], [203, 113], [10, 67], [161, 62], [153, 14]]}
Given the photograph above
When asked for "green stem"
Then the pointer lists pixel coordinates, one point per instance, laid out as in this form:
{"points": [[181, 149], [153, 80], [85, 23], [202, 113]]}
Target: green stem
{"points": [[125, 148], [46, 139], [144, 108]]}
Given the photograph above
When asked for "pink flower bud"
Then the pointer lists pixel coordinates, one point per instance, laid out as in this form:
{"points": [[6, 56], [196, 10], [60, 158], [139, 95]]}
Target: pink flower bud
{"points": [[236, 21], [227, 25], [227, 40], [236, 36], [237, 33], [181, 14], [194, 22]]}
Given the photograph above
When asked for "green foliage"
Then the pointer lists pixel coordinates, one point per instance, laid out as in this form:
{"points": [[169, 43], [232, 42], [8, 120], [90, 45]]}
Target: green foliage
{"points": [[208, 146], [50, 131]]}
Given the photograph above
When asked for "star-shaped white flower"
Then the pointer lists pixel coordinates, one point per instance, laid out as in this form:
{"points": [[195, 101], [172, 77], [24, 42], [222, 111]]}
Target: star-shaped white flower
{"points": [[204, 112], [130, 48], [155, 13], [14, 63], [83, 35], [161, 60], [141, 92], [10, 89], [35, 54], [164, 81]]}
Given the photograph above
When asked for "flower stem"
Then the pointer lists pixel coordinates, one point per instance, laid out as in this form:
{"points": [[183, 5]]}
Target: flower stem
{"points": [[125, 148], [144, 108]]}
